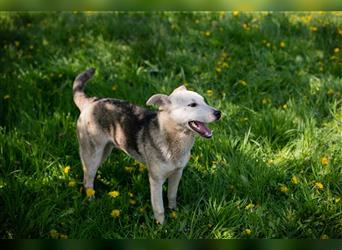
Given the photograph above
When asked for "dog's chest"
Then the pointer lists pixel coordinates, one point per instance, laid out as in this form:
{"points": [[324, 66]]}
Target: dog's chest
{"points": [[166, 168], [177, 152]]}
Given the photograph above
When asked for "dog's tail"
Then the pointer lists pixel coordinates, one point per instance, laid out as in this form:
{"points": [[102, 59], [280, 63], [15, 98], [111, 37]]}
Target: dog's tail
{"points": [[80, 97]]}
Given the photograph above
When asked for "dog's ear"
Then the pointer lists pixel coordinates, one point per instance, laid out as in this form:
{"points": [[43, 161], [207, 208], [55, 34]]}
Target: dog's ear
{"points": [[159, 100], [180, 88]]}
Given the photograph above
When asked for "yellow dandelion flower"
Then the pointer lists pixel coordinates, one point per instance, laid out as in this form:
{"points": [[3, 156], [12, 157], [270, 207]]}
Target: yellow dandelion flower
{"points": [[67, 169], [250, 206], [142, 167], [330, 92], [283, 188], [114, 87], [142, 209], [325, 160], [336, 50], [63, 236], [130, 194], [115, 213], [247, 231], [313, 28], [218, 69], [90, 13], [318, 185], [173, 215], [210, 92], [243, 82], [72, 183], [294, 180], [6, 97], [225, 65], [340, 32], [222, 14], [132, 201], [207, 33], [285, 106], [245, 26], [282, 45], [266, 101], [235, 13], [129, 169], [307, 19], [54, 234], [90, 192], [114, 194], [324, 237]]}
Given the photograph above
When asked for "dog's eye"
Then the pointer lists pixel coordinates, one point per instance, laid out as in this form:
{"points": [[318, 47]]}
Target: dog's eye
{"points": [[194, 104]]}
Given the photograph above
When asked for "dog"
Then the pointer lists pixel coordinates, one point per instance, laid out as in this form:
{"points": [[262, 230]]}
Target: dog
{"points": [[162, 139]]}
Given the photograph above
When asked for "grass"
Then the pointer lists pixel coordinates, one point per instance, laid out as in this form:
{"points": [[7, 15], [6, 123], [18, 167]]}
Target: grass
{"points": [[272, 170]]}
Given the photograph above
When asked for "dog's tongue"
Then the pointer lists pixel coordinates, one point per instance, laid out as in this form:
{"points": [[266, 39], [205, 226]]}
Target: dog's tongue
{"points": [[201, 128]]}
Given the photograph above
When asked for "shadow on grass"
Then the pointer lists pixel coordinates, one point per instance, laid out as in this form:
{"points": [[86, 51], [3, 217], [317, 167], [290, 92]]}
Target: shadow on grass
{"points": [[283, 93]]}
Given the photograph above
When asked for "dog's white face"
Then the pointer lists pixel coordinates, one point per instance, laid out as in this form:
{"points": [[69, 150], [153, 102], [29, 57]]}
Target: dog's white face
{"points": [[187, 108]]}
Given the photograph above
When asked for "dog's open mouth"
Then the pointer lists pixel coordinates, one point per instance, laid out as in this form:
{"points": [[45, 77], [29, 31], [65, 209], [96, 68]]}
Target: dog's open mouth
{"points": [[201, 129]]}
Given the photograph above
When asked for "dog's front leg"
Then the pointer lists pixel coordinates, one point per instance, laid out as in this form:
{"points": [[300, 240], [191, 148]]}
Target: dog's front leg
{"points": [[156, 185], [173, 187]]}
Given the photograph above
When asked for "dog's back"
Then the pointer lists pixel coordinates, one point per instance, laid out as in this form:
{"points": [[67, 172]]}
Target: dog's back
{"points": [[123, 122]]}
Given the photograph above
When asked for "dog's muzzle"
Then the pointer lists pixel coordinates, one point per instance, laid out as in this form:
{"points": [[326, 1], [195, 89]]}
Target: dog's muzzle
{"points": [[217, 114]]}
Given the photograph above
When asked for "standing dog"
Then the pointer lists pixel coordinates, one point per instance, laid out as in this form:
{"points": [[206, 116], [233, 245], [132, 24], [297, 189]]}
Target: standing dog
{"points": [[162, 140]]}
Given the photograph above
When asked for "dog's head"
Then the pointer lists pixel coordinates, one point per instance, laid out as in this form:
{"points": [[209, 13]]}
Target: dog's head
{"points": [[187, 108]]}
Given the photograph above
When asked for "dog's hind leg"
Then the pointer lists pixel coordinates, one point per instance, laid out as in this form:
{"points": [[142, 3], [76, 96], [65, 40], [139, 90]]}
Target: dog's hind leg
{"points": [[92, 155], [90, 163], [106, 151]]}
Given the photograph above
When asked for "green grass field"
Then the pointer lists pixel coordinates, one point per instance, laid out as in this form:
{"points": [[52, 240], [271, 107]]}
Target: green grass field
{"points": [[273, 168]]}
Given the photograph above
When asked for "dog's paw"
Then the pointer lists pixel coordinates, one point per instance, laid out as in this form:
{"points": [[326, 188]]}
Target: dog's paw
{"points": [[173, 206], [160, 218]]}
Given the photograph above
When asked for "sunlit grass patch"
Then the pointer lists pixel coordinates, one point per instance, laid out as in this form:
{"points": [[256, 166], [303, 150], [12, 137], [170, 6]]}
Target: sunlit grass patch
{"points": [[271, 170]]}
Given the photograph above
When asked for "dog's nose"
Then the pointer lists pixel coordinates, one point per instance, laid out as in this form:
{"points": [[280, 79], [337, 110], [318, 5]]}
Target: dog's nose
{"points": [[217, 114]]}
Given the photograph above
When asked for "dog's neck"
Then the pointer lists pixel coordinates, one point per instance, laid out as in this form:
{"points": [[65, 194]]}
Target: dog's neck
{"points": [[177, 138]]}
